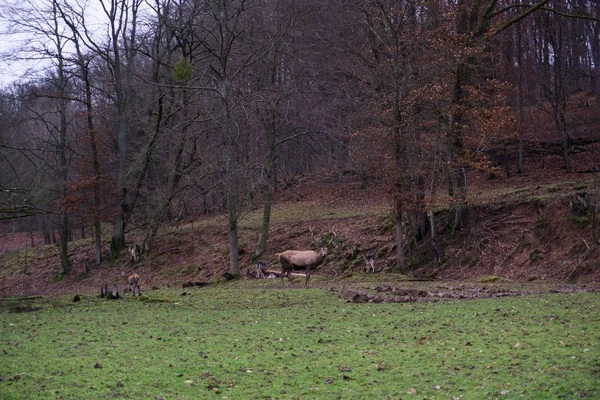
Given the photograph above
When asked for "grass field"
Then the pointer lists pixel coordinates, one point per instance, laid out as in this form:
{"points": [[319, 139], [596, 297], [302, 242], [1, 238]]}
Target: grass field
{"points": [[247, 340]]}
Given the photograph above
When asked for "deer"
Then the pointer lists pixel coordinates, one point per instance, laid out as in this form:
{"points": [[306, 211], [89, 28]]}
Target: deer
{"points": [[370, 262], [133, 281], [136, 253], [300, 259], [261, 270], [104, 293]]}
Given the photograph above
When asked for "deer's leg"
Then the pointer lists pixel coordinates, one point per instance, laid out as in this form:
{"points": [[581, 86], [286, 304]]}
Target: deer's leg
{"points": [[285, 270]]}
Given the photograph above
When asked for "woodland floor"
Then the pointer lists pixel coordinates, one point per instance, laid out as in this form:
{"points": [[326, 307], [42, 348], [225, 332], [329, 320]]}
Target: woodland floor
{"points": [[524, 228]]}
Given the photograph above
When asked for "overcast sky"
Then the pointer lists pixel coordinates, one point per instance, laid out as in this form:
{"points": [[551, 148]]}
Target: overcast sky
{"points": [[12, 44], [9, 71]]}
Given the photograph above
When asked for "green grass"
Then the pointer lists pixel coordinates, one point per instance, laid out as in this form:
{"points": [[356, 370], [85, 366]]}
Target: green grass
{"points": [[291, 212], [242, 341]]}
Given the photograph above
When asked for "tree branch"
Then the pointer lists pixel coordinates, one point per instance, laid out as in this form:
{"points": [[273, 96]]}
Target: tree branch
{"points": [[518, 18]]}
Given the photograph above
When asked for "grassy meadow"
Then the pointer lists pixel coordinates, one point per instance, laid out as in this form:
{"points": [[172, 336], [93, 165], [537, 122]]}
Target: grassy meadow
{"points": [[254, 340]]}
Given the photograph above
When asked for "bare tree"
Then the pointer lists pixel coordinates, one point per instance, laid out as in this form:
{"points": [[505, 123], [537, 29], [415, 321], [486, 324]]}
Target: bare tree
{"points": [[393, 59], [477, 22], [223, 32], [72, 19], [42, 21], [174, 134], [278, 84], [118, 50], [554, 90]]}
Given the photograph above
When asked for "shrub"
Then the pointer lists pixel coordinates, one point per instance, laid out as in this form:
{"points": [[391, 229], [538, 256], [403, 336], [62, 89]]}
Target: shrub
{"points": [[535, 255]]}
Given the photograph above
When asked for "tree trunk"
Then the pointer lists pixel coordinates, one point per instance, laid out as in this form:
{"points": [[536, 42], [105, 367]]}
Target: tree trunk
{"points": [[65, 264], [31, 235], [233, 234], [270, 186], [520, 83], [595, 50], [163, 111], [62, 150], [121, 61], [95, 161], [460, 199], [398, 208], [46, 231], [231, 180], [458, 178], [232, 212], [418, 215], [265, 225], [559, 96], [117, 242], [399, 154]]}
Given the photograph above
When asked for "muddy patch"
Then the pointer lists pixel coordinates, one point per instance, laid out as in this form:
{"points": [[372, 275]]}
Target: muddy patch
{"points": [[398, 294]]}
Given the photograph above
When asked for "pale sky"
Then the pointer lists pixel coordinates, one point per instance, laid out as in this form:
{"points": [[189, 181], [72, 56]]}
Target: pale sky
{"points": [[9, 71], [12, 44]]}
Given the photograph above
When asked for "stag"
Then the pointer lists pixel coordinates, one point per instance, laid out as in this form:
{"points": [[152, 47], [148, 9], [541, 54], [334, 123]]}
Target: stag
{"points": [[295, 259]]}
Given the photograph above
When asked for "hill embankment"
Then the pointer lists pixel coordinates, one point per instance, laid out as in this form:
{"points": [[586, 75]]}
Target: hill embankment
{"points": [[525, 229]]}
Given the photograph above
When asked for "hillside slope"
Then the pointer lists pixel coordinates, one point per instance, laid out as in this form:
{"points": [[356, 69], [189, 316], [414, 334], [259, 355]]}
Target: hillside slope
{"points": [[529, 230]]}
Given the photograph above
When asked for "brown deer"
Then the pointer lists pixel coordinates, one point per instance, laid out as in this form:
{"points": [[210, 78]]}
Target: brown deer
{"points": [[133, 283], [305, 259]]}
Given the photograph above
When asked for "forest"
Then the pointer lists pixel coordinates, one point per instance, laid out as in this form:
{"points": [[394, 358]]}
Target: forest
{"points": [[134, 114]]}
